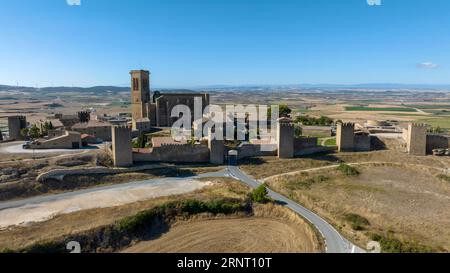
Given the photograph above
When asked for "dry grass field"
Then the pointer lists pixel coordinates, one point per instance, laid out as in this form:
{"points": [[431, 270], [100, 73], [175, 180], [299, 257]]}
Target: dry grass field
{"points": [[263, 167], [18, 237], [270, 228], [242, 235], [399, 202]]}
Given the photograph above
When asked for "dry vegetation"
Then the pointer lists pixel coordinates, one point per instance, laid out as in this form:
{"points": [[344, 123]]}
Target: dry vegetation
{"points": [[274, 229], [263, 167], [72, 223], [276, 223], [408, 207]]}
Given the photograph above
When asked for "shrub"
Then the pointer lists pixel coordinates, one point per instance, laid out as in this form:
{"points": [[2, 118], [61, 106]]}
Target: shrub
{"points": [[260, 194], [6, 251], [140, 142], [193, 206], [136, 222], [140, 221], [356, 221], [444, 177], [348, 170], [389, 244], [46, 247]]}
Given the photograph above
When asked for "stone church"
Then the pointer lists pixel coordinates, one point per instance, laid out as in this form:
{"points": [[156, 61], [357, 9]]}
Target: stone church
{"points": [[156, 110]]}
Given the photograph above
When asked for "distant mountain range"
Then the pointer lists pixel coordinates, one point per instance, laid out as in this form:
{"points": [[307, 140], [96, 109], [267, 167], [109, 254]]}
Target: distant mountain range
{"points": [[65, 89], [118, 89], [351, 86]]}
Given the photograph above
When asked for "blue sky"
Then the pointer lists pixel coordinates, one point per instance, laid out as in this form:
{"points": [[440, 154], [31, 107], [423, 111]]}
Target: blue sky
{"points": [[189, 43]]}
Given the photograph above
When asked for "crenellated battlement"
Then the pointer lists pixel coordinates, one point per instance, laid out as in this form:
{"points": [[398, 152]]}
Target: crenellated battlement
{"points": [[17, 118], [417, 139], [345, 136], [419, 125], [286, 125], [122, 128], [347, 124]]}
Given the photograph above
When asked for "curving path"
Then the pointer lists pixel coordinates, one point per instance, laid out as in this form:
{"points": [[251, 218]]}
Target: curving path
{"points": [[334, 241]]}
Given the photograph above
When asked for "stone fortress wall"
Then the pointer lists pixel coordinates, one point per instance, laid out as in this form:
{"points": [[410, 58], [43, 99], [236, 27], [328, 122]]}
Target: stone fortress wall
{"points": [[350, 141], [15, 125], [437, 142], [122, 150], [417, 139], [174, 154]]}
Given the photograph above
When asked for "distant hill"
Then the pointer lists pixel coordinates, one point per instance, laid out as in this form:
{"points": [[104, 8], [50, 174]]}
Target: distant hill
{"points": [[98, 90], [64, 89], [218, 88]]}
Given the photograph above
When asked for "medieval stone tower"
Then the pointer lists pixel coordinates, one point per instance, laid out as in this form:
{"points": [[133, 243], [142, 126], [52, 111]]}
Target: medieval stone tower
{"points": [[15, 125], [122, 149], [140, 93], [345, 136], [216, 148], [285, 138], [417, 139]]}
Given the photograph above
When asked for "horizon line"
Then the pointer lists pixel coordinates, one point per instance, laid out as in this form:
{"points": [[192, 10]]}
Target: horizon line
{"points": [[379, 85]]}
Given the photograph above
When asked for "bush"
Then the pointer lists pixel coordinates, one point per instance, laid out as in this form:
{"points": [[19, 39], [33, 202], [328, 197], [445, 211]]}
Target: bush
{"points": [[140, 142], [260, 195], [312, 121], [444, 177], [348, 170], [137, 222], [193, 207], [6, 251], [356, 221], [283, 111], [140, 221], [389, 244], [46, 248]]}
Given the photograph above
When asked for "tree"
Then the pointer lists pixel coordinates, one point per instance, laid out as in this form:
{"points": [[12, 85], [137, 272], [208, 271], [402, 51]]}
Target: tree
{"points": [[34, 132], [260, 195], [312, 121], [284, 111], [24, 132], [436, 130], [141, 141], [298, 131]]}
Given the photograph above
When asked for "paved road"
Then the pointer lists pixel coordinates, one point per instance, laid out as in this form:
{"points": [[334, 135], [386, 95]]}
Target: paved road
{"points": [[335, 243], [62, 196], [16, 148]]}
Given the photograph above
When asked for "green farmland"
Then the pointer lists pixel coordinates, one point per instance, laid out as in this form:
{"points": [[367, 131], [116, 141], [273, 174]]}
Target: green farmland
{"points": [[380, 109]]}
